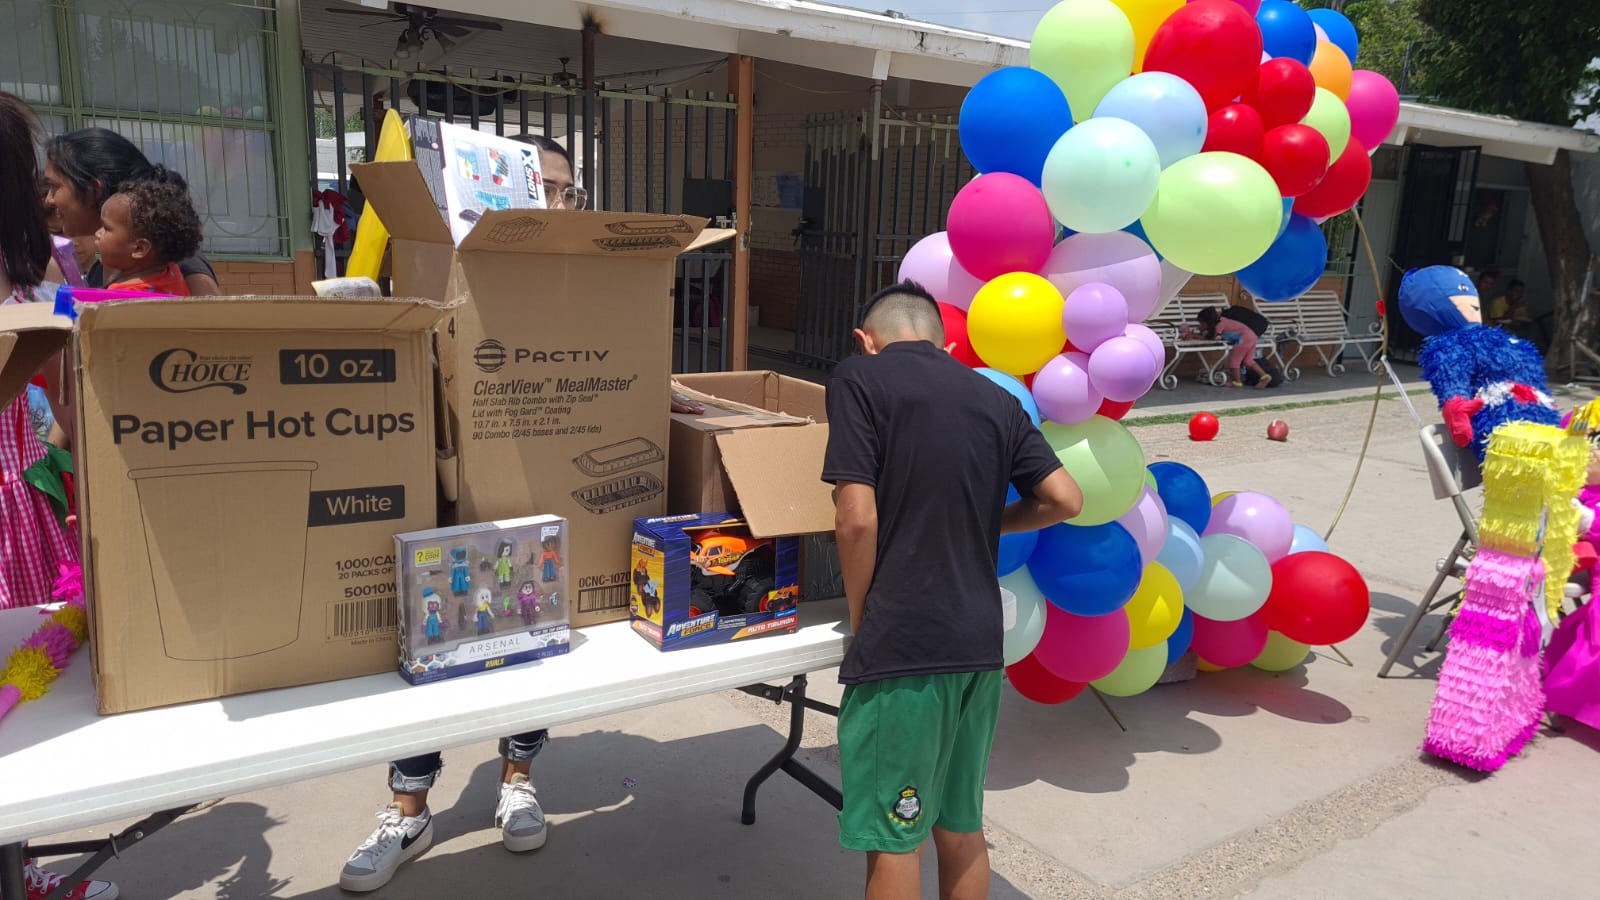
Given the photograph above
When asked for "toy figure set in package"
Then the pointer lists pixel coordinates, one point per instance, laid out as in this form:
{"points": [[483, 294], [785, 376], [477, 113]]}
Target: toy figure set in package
{"points": [[476, 597]]}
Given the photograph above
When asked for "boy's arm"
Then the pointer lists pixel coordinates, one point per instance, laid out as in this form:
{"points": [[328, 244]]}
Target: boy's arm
{"points": [[855, 522], [1054, 500]]}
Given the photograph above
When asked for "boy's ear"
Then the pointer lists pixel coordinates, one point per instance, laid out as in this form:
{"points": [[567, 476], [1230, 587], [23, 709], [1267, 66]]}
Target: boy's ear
{"points": [[141, 248]]}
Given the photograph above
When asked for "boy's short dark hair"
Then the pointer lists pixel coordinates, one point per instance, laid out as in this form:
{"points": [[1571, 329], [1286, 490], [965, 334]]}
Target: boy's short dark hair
{"points": [[900, 289], [160, 211], [905, 305]]}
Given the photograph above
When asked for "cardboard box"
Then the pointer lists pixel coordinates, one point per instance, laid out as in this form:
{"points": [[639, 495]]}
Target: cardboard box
{"points": [[243, 465], [555, 368], [30, 333], [481, 596], [704, 579]]}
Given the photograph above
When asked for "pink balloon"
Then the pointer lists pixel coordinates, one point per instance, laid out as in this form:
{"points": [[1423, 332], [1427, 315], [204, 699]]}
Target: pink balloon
{"points": [[1258, 519], [1374, 107], [1000, 223], [1227, 643], [931, 264], [1093, 314], [1116, 258], [1148, 524], [1083, 648], [1063, 392], [1122, 369], [1150, 340]]}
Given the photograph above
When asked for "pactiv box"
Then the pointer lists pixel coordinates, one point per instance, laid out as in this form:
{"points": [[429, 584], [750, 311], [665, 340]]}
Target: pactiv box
{"points": [[243, 466]]}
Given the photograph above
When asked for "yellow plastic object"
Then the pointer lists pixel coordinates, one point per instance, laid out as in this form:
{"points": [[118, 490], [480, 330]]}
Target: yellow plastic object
{"points": [[372, 237]]}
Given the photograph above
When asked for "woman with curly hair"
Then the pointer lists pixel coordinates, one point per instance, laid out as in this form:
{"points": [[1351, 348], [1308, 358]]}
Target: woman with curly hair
{"points": [[146, 229]]}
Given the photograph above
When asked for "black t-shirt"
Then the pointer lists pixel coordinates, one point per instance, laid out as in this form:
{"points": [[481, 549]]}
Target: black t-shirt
{"points": [[1249, 318], [939, 443], [194, 265]]}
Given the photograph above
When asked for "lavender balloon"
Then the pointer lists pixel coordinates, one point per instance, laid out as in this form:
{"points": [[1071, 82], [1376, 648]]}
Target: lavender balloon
{"points": [[932, 264], [1148, 524], [1094, 314], [1122, 369], [1116, 258], [1063, 391], [1258, 519], [1150, 340]]}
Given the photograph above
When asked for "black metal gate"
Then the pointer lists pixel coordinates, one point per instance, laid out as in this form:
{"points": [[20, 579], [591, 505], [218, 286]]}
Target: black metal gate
{"points": [[863, 211], [644, 149], [1434, 211]]}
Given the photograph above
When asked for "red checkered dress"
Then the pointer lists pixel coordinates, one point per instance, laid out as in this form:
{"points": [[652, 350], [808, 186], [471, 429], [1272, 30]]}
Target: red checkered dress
{"points": [[32, 541]]}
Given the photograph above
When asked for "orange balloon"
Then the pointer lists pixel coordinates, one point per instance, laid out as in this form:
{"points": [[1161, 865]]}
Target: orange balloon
{"points": [[1204, 666], [1330, 69]]}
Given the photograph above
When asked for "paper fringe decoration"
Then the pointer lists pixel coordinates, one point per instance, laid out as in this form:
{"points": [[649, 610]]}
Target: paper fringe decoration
{"points": [[36, 663]]}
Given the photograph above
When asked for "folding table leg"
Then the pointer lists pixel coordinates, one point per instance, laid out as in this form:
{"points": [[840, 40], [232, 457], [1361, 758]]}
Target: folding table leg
{"points": [[1427, 605], [11, 862], [795, 695], [100, 850]]}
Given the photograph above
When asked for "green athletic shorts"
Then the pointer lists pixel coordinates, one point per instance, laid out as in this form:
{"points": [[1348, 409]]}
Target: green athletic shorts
{"points": [[914, 752]]}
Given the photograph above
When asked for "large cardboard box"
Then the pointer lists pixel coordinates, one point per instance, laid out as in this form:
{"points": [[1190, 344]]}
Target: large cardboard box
{"points": [[756, 452], [243, 466], [555, 367]]}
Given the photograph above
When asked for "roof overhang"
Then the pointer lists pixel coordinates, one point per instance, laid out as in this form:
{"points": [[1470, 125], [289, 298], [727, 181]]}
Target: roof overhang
{"points": [[1498, 135]]}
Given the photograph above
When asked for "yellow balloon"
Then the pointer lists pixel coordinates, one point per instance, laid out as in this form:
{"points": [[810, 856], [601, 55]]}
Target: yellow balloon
{"points": [[1014, 323], [1222, 496], [1281, 654], [1086, 47], [1330, 69], [1204, 666], [1156, 608], [1146, 16]]}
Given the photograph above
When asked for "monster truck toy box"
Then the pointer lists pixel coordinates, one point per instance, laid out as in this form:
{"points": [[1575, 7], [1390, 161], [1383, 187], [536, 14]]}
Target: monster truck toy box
{"points": [[703, 579], [555, 369]]}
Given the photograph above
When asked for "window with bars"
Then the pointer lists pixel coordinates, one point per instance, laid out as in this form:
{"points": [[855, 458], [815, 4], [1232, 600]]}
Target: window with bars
{"points": [[188, 81]]}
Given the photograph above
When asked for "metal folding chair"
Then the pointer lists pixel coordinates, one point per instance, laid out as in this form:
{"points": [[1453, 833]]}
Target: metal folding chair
{"points": [[1453, 471]]}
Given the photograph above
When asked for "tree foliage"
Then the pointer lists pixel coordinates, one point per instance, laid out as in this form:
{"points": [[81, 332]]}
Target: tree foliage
{"points": [[1532, 59], [1393, 39]]}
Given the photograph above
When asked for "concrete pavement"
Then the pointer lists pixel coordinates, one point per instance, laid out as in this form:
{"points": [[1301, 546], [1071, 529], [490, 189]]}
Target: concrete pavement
{"points": [[1304, 784]]}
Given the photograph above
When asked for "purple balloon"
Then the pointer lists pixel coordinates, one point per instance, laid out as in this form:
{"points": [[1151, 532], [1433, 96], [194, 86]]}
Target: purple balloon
{"points": [[931, 264], [1150, 340], [1258, 519], [1122, 369], [1094, 314], [1116, 258], [1063, 392], [1147, 522]]}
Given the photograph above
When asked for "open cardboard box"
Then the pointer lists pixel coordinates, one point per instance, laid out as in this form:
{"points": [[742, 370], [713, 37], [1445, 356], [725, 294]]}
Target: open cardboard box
{"points": [[30, 333], [555, 370]]}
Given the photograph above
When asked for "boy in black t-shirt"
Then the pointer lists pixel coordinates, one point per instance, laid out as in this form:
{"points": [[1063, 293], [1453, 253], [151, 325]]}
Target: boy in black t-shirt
{"points": [[920, 451]]}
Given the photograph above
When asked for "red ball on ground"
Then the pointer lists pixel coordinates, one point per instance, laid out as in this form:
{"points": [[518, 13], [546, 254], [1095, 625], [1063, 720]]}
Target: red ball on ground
{"points": [[1277, 430], [1203, 427], [1035, 682], [1317, 598]]}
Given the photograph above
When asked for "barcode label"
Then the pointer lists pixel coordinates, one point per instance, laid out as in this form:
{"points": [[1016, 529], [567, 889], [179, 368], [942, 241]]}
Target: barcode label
{"points": [[603, 598], [355, 618]]}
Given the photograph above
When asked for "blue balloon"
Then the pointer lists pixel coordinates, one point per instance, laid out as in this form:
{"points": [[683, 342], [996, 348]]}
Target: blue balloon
{"points": [[1291, 265], [1178, 644], [1184, 492], [1015, 388], [1010, 121], [1165, 107], [1181, 553], [1087, 570], [1288, 210], [1341, 31], [1014, 548], [1306, 539], [1137, 230], [1286, 30]]}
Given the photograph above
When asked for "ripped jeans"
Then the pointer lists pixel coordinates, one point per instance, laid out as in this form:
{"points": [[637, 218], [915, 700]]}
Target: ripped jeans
{"points": [[417, 773]]}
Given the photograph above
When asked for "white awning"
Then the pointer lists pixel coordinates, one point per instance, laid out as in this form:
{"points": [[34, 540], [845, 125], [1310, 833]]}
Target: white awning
{"points": [[1498, 135]]}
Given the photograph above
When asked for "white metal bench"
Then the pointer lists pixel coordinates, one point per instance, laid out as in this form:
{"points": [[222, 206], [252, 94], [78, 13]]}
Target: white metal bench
{"points": [[1316, 321], [1168, 324]]}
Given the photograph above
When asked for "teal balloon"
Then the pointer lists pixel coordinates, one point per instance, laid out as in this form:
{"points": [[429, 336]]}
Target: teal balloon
{"points": [[1101, 175], [1164, 107], [1233, 583], [1014, 386], [1020, 640], [1181, 553], [1306, 539]]}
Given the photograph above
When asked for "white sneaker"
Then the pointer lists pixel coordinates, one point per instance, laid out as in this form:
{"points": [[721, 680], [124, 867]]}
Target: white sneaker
{"points": [[40, 882], [518, 816], [398, 838]]}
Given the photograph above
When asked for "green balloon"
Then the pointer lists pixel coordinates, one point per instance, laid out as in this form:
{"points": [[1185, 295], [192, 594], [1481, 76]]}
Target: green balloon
{"points": [[1086, 47], [1138, 672], [1214, 213], [1106, 462], [1022, 637], [1331, 118], [1150, 480], [1280, 654]]}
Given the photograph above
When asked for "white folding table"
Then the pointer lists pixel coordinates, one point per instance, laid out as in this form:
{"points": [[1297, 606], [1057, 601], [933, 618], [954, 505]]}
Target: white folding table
{"points": [[62, 766]]}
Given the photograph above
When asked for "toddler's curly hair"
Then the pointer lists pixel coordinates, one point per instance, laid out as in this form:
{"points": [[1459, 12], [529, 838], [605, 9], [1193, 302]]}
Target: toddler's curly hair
{"points": [[161, 212]]}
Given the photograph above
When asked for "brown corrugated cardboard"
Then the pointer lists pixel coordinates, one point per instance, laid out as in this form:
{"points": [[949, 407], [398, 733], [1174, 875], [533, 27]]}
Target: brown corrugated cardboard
{"points": [[243, 466], [30, 333], [756, 451], [555, 367]]}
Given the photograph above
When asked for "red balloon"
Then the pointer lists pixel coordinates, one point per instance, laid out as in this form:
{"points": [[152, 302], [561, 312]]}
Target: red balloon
{"points": [[1229, 644], [1114, 409], [1346, 181], [955, 332], [1212, 44], [1296, 156], [1035, 682], [1235, 128], [1282, 92], [1203, 427], [1317, 598]]}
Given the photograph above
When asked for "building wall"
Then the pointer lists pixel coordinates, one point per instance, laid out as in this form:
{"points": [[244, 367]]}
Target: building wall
{"points": [[286, 279]]}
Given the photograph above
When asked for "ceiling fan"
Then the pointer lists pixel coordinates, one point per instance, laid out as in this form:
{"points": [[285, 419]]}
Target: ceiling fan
{"points": [[421, 23]]}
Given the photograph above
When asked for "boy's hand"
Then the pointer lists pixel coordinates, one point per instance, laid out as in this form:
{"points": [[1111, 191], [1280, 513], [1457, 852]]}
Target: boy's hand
{"points": [[950, 348]]}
